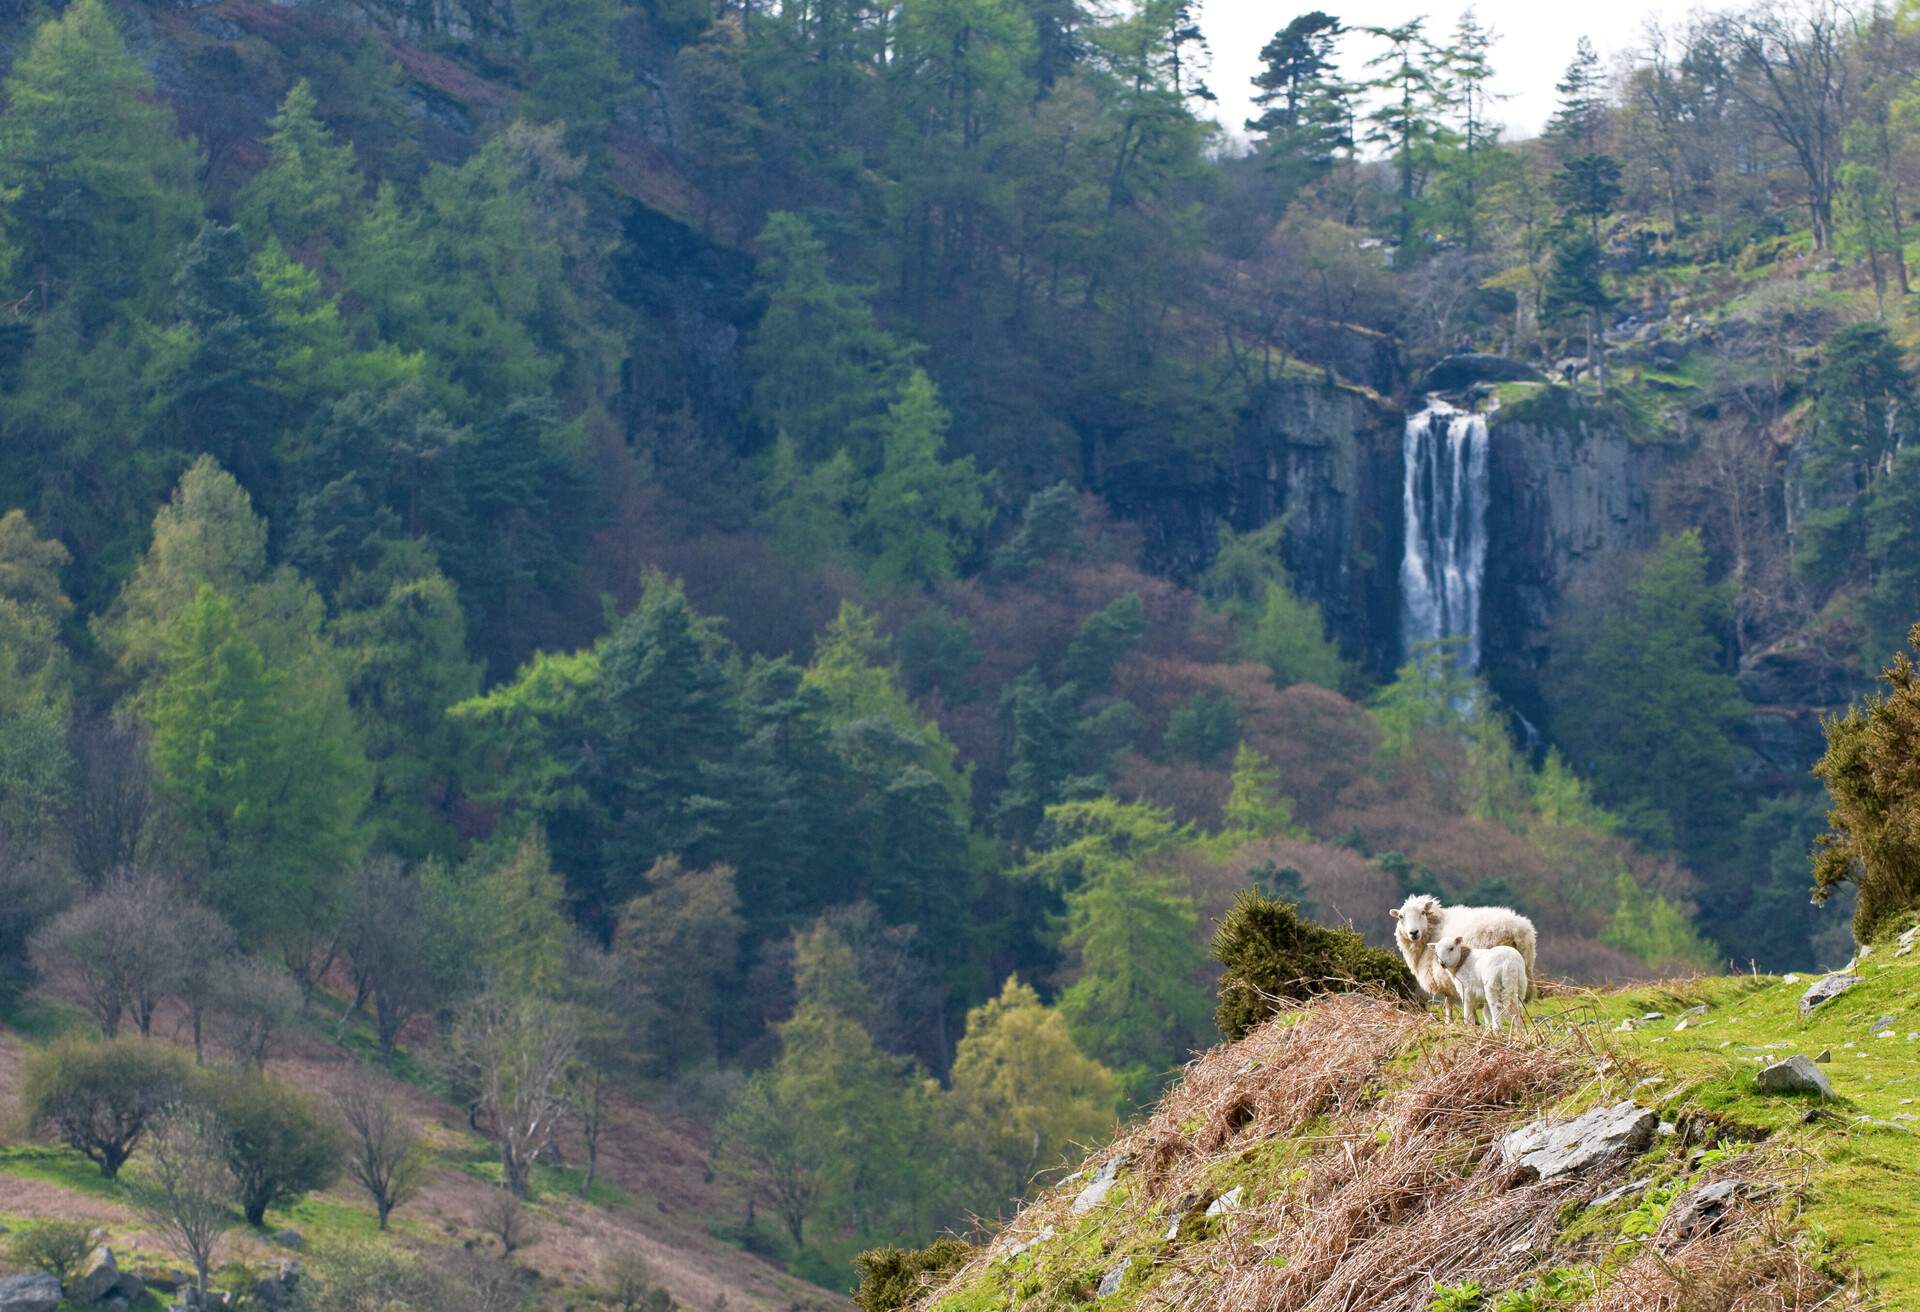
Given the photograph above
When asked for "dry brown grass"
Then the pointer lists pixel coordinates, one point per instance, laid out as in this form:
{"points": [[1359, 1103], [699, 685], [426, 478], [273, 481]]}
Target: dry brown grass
{"points": [[1402, 1200], [1750, 1263]]}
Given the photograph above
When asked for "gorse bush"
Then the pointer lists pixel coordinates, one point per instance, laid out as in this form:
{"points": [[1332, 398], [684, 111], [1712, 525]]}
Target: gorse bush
{"points": [[1872, 771], [890, 1278], [1270, 951]]}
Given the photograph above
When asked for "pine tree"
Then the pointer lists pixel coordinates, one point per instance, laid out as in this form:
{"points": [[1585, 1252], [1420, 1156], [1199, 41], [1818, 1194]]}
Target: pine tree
{"points": [[1578, 125], [310, 188], [1305, 119], [1407, 123], [106, 185], [1642, 704], [1130, 925], [825, 370], [921, 515]]}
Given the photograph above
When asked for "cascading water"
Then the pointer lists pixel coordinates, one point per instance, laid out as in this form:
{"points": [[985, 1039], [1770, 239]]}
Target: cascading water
{"points": [[1445, 558]]}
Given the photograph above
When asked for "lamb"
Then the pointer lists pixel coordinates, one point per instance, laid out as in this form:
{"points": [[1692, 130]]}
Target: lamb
{"points": [[1492, 980], [1423, 922]]}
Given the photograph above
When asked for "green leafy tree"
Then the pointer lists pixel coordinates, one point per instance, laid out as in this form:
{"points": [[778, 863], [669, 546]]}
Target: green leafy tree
{"points": [[35, 693], [1024, 1096], [1872, 772], [1654, 929], [279, 1143], [1130, 926], [680, 941], [261, 769], [101, 1098]]}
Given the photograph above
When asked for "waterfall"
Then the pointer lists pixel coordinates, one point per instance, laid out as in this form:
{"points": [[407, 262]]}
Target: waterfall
{"points": [[1445, 558]]}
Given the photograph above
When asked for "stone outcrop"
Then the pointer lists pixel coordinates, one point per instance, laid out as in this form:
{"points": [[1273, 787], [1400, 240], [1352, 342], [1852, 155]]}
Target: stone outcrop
{"points": [[1546, 1149], [1825, 989], [1457, 373], [1794, 1075]]}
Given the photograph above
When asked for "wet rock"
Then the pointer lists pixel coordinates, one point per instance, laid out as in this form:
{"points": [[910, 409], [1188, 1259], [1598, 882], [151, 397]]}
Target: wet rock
{"points": [[1101, 1185], [1794, 1075], [1546, 1149], [1825, 989]]}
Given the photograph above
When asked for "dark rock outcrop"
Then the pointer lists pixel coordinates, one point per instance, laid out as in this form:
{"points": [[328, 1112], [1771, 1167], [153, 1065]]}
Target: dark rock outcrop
{"points": [[1569, 493], [1457, 373]]}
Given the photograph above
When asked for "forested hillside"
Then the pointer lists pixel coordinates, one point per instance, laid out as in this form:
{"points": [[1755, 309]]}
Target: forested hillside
{"points": [[777, 567]]}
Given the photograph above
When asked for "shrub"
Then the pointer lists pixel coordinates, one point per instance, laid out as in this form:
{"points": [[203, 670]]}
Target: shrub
{"points": [[1271, 951], [630, 1285], [59, 1247], [1872, 773], [99, 1098], [891, 1277], [279, 1145]]}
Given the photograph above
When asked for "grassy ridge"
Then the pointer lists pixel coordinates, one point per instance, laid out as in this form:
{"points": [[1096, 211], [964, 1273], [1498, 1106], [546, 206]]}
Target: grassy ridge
{"points": [[1360, 1137]]}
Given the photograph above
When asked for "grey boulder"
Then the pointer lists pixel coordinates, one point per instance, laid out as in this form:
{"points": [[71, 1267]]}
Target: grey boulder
{"points": [[1101, 1185], [1110, 1282], [37, 1291], [1825, 989], [1794, 1075], [1546, 1149]]}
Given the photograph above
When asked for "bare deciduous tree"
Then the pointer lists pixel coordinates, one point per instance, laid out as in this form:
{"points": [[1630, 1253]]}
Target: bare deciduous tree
{"points": [[253, 1002], [112, 810], [185, 1189], [505, 1217], [127, 946], [1797, 76], [383, 1153], [517, 1056]]}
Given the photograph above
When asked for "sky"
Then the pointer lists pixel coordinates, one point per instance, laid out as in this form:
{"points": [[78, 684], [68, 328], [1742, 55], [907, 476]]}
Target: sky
{"points": [[1536, 40]]}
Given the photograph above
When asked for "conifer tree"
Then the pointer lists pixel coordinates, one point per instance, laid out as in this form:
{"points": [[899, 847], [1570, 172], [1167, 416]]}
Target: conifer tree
{"points": [[106, 185]]}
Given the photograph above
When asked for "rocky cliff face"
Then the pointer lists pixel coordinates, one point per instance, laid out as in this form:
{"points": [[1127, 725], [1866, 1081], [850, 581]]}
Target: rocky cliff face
{"points": [[1324, 458], [1569, 492]]}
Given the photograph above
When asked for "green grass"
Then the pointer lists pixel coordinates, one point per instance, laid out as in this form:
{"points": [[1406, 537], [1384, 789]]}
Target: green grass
{"points": [[58, 1166], [43, 1020], [548, 1181], [1864, 1180]]}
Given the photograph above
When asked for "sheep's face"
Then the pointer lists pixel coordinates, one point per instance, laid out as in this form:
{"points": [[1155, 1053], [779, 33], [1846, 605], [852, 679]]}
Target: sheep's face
{"points": [[1452, 952], [1419, 918]]}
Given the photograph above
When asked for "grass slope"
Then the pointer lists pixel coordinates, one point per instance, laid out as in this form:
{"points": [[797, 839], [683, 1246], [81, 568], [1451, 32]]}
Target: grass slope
{"points": [[652, 1197], [1343, 1157]]}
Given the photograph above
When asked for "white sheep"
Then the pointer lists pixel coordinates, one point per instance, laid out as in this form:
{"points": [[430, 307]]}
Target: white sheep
{"points": [[1491, 980], [1423, 922]]}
